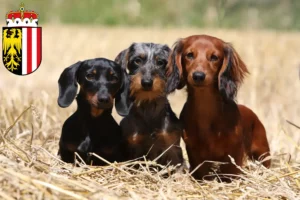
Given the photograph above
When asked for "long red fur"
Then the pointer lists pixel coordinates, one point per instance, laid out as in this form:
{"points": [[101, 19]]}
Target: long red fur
{"points": [[215, 126]]}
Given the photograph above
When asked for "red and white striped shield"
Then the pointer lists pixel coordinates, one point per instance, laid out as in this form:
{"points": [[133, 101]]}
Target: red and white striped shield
{"points": [[22, 49]]}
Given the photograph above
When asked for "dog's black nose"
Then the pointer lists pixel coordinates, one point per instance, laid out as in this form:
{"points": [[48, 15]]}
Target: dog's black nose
{"points": [[104, 100], [198, 76], [147, 83]]}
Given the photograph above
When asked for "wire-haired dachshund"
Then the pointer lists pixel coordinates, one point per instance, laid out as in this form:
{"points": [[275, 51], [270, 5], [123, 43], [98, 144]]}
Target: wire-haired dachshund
{"points": [[215, 126], [150, 127], [91, 128]]}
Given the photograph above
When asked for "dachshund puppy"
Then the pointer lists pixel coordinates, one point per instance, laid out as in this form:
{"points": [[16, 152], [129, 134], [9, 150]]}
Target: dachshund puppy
{"points": [[215, 126], [150, 127], [91, 128]]}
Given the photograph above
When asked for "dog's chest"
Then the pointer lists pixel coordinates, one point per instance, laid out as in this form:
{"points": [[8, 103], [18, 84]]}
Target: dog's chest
{"points": [[102, 131], [152, 132], [140, 138], [152, 145], [212, 140]]}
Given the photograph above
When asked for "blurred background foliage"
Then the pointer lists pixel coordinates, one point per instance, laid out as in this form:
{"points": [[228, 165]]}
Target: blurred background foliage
{"points": [[256, 14]]}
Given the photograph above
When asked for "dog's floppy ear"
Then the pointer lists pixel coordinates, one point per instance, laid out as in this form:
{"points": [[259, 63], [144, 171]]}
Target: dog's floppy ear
{"points": [[122, 59], [122, 101], [174, 68], [232, 73], [67, 85]]}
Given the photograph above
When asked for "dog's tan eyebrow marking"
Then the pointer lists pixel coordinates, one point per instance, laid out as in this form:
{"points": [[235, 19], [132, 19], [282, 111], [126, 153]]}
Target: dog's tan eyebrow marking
{"points": [[157, 58], [94, 71]]}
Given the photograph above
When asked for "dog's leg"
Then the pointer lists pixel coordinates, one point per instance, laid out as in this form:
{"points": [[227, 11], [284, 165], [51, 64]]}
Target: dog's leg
{"points": [[260, 147]]}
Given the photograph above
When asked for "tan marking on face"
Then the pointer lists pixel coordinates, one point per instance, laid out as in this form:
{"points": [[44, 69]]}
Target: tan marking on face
{"points": [[137, 91], [94, 71], [91, 98], [93, 101], [135, 85]]}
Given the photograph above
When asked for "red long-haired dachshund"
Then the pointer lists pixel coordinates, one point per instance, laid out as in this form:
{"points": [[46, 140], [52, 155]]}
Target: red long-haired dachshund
{"points": [[215, 126]]}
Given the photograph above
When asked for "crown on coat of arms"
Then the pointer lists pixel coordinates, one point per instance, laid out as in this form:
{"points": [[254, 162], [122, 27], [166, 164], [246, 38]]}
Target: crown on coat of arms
{"points": [[22, 17]]}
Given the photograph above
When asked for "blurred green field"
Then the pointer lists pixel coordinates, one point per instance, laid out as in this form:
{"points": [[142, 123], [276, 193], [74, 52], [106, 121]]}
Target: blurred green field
{"points": [[245, 14]]}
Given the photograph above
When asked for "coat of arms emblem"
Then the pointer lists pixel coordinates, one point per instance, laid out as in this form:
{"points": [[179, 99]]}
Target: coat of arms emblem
{"points": [[22, 42]]}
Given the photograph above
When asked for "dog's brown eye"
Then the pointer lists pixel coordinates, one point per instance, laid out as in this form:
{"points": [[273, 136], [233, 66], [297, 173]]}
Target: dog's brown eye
{"points": [[190, 55], [160, 62], [138, 61], [114, 78], [213, 57], [90, 77]]}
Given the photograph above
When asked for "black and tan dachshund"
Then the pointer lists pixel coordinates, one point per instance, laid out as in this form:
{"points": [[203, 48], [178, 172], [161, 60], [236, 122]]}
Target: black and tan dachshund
{"points": [[91, 128], [151, 127]]}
